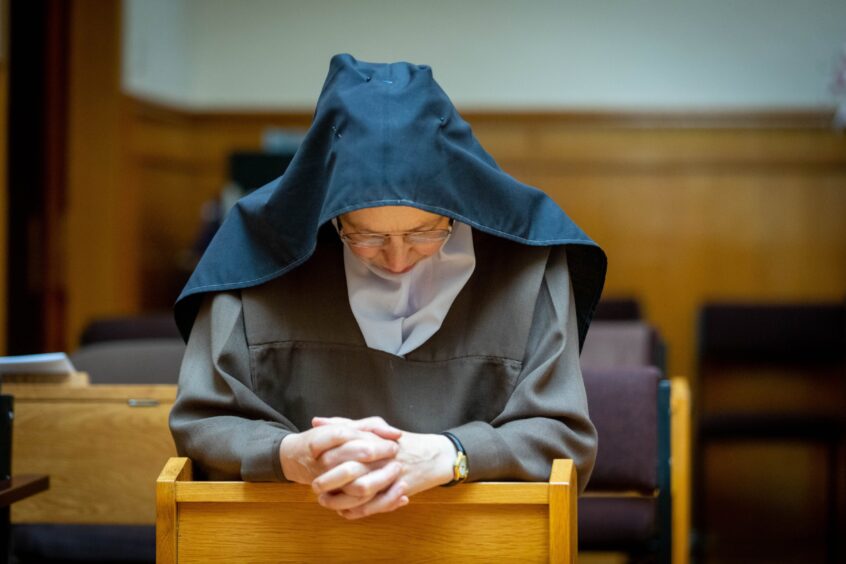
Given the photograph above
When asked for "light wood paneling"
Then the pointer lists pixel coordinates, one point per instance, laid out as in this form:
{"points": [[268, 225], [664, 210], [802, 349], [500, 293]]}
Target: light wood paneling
{"points": [[479, 522], [677, 240], [101, 272], [689, 209], [102, 455]]}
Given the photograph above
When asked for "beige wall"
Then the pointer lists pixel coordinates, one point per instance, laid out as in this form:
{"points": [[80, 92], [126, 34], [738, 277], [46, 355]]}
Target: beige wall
{"points": [[615, 54]]}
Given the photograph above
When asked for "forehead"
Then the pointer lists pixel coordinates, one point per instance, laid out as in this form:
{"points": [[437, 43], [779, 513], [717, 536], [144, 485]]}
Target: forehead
{"points": [[391, 218]]}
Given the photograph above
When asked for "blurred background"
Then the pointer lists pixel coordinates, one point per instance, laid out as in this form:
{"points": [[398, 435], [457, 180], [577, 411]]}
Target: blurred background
{"points": [[697, 142]]}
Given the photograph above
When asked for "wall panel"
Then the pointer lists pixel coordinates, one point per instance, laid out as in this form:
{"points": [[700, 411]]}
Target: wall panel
{"points": [[688, 210], [102, 240], [675, 242]]}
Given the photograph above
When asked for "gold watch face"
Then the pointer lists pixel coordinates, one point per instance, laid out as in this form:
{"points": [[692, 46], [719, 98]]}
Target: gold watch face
{"points": [[461, 469]]}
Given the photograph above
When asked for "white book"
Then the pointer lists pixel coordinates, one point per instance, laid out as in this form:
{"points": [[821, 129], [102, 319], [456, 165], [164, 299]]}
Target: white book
{"points": [[47, 363]]}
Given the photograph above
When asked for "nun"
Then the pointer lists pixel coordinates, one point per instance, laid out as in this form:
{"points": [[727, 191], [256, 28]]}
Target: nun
{"points": [[393, 314]]}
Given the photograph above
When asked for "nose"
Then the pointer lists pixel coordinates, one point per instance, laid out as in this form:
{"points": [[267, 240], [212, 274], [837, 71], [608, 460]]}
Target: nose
{"points": [[397, 254]]}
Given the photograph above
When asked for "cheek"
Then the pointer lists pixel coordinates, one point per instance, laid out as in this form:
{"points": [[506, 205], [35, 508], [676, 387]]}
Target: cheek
{"points": [[364, 254], [424, 252]]}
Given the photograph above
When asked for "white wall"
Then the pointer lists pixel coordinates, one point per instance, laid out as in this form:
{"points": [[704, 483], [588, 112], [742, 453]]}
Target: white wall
{"points": [[157, 51], [546, 54]]}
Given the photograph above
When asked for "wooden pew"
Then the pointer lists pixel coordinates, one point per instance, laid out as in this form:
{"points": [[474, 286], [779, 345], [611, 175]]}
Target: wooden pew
{"points": [[273, 522], [680, 477], [101, 445], [109, 480]]}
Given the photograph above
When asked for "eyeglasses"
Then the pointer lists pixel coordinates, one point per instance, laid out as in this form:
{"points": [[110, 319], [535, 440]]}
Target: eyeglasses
{"points": [[378, 240]]}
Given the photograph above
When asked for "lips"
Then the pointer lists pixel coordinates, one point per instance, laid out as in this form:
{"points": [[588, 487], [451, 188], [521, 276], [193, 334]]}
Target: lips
{"points": [[403, 271]]}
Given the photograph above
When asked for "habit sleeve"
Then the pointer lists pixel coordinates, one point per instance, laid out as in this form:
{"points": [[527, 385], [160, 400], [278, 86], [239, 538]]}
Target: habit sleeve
{"points": [[546, 417], [217, 420]]}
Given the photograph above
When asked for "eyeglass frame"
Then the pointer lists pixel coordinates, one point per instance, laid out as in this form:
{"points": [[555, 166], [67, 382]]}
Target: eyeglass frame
{"points": [[386, 236]]}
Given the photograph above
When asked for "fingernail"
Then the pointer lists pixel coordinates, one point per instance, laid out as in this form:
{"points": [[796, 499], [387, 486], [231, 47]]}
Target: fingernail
{"points": [[403, 501]]}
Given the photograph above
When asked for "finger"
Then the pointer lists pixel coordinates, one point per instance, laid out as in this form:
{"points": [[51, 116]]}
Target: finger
{"points": [[385, 502], [375, 425], [361, 450], [380, 427], [371, 484], [373, 508], [374, 482], [338, 501], [330, 437], [388, 433], [320, 421], [339, 476]]}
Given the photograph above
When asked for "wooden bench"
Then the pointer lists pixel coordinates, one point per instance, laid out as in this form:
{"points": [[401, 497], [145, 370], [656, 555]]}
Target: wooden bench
{"points": [[275, 522], [101, 445], [109, 480]]}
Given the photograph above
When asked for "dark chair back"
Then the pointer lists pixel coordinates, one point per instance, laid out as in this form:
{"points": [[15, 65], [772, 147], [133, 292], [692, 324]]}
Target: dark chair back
{"points": [[627, 502], [617, 309], [150, 326], [619, 344], [770, 360], [769, 374], [139, 361], [772, 333]]}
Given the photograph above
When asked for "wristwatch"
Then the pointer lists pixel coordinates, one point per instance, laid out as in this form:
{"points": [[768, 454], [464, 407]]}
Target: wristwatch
{"points": [[460, 468]]}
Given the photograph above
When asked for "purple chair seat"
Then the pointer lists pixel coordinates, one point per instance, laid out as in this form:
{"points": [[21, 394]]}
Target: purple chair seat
{"points": [[623, 404]]}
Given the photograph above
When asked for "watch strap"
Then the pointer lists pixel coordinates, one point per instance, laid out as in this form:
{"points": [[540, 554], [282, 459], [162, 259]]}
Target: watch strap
{"points": [[460, 468]]}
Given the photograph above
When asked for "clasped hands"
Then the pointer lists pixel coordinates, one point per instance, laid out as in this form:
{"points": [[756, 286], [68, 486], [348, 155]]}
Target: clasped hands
{"points": [[365, 466]]}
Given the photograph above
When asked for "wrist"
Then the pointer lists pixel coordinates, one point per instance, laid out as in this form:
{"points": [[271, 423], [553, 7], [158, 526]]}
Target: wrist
{"points": [[446, 460], [288, 459]]}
